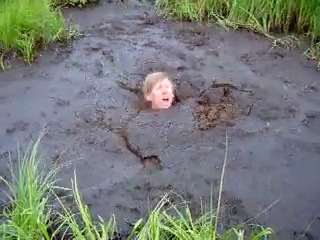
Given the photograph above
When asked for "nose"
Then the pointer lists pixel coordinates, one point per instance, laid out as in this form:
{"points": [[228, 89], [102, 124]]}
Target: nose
{"points": [[166, 89]]}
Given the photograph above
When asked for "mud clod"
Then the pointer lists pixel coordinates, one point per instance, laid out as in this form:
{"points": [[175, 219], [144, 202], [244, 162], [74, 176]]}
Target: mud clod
{"points": [[108, 54], [272, 112], [17, 126], [217, 107], [248, 59], [89, 89], [213, 52], [195, 37], [149, 20], [135, 90], [56, 158], [98, 47], [311, 120], [61, 102], [310, 88], [312, 114], [99, 119], [185, 90], [303, 235], [152, 162]]}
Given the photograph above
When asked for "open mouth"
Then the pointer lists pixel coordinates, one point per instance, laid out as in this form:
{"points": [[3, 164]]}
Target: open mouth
{"points": [[165, 99]]}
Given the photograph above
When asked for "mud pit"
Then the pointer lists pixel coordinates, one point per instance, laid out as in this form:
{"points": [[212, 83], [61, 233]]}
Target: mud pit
{"points": [[272, 114]]}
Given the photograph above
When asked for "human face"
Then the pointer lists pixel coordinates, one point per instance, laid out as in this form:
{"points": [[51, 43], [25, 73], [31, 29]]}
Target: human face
{"points": [[161, 95]]}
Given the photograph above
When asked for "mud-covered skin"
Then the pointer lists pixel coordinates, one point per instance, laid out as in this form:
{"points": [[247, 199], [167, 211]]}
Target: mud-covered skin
{"points": [[274, 141]]}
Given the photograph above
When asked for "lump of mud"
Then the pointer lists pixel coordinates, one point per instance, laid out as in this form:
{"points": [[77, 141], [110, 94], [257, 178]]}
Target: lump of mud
{"points": [[96, 119], [17, 126], [312, 119], [152, 162], [195, 36], [217, 108], [212, 115], [148, 20], [233, 210], [268, 111], [185, 90]]}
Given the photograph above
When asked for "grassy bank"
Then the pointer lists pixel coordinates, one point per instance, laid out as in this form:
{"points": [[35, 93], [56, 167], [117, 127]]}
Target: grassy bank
{"points": [[31, 214], [27, 26], [263, 16]]}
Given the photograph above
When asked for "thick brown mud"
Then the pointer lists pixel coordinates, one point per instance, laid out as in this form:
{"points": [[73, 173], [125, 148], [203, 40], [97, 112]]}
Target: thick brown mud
{"points": [[127, 158]]}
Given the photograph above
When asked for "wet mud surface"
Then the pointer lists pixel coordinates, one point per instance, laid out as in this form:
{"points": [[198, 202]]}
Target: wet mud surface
{"points": [[126, 158]]}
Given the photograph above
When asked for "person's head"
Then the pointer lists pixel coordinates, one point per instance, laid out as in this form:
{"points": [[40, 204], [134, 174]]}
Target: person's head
{"points": [[158, 89]]}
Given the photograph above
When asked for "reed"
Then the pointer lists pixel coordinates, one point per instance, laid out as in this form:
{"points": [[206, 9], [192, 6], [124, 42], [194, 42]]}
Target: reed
{"points": [[268, 17]]}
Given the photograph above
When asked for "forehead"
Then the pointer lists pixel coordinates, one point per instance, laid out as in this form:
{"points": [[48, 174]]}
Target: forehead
{"points": [[165, 81]]}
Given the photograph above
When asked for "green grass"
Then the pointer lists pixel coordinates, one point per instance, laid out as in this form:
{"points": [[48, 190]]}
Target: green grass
{"points": [[27, 25], [30, 187], [30, 214], [264, 16], [73, 3], [169, 221], [80, 225]]}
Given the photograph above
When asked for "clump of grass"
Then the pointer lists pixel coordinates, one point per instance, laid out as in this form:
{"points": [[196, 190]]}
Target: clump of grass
{"points": [[81, 225], [27, 25], [170, 221], [313, 53], [73, 3], [301, 16], [263, 16], [287, 42], [28, 216]]}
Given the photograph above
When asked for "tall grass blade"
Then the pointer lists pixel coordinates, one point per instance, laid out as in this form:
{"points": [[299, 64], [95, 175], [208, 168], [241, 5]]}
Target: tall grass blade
{"points": [[30, 189]]}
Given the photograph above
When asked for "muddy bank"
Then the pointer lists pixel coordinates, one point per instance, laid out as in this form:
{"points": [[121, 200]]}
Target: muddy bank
{"points": [[269, 102]]}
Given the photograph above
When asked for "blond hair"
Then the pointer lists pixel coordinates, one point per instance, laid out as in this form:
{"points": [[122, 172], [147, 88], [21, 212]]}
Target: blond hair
{"points": [[152, 79]]}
